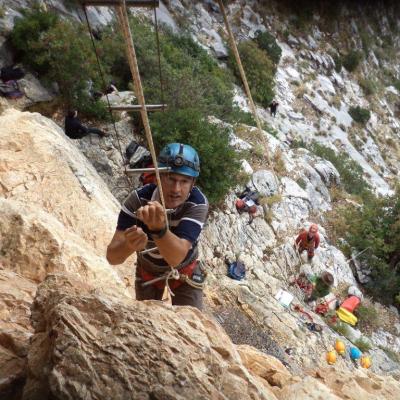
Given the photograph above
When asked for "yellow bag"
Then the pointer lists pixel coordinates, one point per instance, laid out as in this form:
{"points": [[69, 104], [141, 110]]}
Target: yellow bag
{"points": [[346, 316]]}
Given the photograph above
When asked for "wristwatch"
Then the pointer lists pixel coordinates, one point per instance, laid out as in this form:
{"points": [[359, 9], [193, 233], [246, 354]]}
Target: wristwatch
{"points": [[158, 234]]}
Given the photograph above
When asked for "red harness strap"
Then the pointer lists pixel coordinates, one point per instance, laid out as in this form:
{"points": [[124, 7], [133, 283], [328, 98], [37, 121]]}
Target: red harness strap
{"points": [[173, 284]]}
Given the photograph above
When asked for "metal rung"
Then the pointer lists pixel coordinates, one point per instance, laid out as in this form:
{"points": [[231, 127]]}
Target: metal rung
{"points": [[138, 107], [141, 170], [129, 3]]}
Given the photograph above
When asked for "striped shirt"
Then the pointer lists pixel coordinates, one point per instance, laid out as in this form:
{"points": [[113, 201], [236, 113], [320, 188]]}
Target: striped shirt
{"points": [[186, 222]]}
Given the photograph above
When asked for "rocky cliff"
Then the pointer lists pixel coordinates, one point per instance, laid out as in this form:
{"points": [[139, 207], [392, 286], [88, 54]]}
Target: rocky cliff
{"points": [[81, 334]]}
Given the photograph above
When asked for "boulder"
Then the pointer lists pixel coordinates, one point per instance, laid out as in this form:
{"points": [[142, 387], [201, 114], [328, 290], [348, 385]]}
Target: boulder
{"points": [[40, 167], [87, 346], [16, 295]]}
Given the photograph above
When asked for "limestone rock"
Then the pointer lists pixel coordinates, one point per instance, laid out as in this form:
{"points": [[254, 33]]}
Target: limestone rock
{"points": [[16, 295], [34, 244], [40, 167], [87, 345]]}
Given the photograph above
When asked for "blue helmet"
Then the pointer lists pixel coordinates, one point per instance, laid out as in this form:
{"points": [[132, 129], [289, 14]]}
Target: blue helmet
{"points": [[182, 158]]}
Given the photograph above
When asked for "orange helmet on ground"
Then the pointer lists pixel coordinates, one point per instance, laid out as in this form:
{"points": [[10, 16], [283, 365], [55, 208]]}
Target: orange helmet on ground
{"points": [[331, 357], [313, 228]]}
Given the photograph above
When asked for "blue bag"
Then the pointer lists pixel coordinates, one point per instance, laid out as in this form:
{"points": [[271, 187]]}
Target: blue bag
{"points": [[236, 270]]}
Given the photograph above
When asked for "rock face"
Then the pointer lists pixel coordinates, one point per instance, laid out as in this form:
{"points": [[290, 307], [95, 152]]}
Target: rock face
{"points": [[87, 345], [40, 167], [16, 296], [56, 215]]}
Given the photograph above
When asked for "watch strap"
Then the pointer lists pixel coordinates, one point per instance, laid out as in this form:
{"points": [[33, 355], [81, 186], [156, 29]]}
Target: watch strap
{"points": [[158, 234]]}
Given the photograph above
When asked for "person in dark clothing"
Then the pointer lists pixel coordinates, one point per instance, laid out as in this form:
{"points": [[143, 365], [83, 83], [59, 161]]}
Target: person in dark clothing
{"points": [[273, 107], [74, 128]]}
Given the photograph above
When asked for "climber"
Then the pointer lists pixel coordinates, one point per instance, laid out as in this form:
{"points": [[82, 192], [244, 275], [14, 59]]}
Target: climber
{"points": [[308, 241], [273, 107], [248, 201], [321, 286], [142, 225], [75, 130]]}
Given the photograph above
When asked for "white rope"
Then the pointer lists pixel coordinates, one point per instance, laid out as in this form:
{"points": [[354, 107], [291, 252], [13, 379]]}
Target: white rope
{"points": [[122, 13]]}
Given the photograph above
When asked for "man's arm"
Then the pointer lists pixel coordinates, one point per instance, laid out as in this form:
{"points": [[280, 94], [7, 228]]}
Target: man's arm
{"points": [[172, 248], [124, 243], [316, 242]]}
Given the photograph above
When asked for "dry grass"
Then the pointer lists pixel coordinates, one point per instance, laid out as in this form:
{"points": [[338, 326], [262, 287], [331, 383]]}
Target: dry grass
{"points": [[279, 163], [300, 91], [270, 200]]}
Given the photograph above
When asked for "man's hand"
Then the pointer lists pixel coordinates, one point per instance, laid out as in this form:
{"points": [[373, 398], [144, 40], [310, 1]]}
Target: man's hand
{"points": [[135, 238], [152, 215]]}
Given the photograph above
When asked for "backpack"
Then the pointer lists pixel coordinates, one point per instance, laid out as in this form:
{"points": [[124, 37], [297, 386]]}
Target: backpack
{"points": [[236, 270], [11, 73], [137, 155], [10, 90]]}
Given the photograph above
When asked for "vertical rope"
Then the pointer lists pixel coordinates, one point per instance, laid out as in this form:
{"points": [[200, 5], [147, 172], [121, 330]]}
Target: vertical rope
{"points": [[242, 73], [252, 105], [122, 14], [105, 89], [159, 55]]}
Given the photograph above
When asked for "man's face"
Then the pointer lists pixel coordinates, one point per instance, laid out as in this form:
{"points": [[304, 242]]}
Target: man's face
{"points": [[176, 188], [311, 234]]}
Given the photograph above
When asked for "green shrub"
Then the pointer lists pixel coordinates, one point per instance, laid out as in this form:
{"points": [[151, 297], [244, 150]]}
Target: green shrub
{"points": [[191, 77], [368, 86], [396, 84], [26, 34], [60, 51], [259, 69], [341, 328], [376, 226], [368, 317], [220, 165], [359, 114], [351, 60], [366, 40], [362, 344], [267, 42], [351, 173], [338, 62]]}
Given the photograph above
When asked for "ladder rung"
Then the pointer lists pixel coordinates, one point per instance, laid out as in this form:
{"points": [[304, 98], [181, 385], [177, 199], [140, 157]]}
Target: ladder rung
{"points": [[141, 170], [129, 3], [138, 107]]}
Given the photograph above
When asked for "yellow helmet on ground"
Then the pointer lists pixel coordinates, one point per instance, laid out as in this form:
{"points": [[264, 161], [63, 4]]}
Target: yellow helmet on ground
{"points": [[331, 357], [365, 361], [340, 347]]}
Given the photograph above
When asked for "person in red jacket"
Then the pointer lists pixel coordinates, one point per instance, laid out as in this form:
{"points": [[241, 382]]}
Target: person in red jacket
{"points": [[308, 240]]}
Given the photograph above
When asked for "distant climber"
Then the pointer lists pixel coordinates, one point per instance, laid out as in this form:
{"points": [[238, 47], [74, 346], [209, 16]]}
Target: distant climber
{"points": [[321, 286], [248, 201], [308, 241], [142, 225], [74, 128], [273, 107]]}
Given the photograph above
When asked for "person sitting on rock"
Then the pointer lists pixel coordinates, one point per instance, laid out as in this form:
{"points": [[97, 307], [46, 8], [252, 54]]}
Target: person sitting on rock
{"points": [[308, 241], [142, 225], [247, 202], [74, 128]]}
